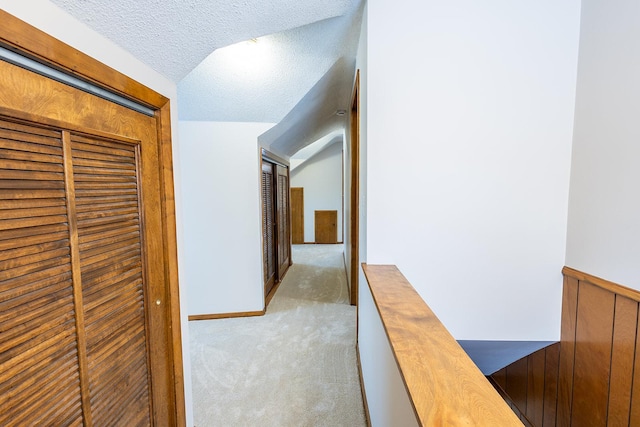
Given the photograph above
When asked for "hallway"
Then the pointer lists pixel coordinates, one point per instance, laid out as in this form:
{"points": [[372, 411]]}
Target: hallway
{"points": [[294, 366]]}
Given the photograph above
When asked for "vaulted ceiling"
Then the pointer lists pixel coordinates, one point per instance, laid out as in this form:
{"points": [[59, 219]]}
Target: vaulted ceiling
{"points": [[292, 61]]}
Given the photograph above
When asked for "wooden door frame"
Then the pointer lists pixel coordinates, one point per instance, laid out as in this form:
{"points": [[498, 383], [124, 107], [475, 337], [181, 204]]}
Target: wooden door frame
{"points": [[355, 190], [33, 43]]}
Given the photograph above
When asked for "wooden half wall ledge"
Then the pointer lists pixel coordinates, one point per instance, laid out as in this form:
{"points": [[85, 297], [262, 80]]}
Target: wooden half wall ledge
{"points": [[444, 386]]}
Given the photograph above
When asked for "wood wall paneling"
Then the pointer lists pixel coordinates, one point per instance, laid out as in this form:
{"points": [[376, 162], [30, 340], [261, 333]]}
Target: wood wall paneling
{"points": [[552, 362], [517, 377], [635, 391], [567, 350], [594, 332], [297, 215], [591, 378], [535, 387], [326, 226], [622, 358], [529, 386]]}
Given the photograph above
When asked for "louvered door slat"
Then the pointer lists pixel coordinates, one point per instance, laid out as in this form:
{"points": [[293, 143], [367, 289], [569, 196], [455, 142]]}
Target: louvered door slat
{"points": [[39, 379], [109, 239], [21, 145], [7, 153]]}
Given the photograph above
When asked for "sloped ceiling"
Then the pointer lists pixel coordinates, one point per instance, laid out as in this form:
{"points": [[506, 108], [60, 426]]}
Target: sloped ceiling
{"points": [[310, 47]]}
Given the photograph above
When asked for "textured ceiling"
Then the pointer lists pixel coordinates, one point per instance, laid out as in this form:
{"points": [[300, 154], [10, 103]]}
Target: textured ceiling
{"points": [[297, 74]]}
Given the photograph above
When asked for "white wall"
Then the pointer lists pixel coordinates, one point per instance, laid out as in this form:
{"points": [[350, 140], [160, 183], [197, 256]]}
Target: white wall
{"points": [[470, 112], [49, 18], [222, 223], [387, 397], [604, 210], [321, 178]]}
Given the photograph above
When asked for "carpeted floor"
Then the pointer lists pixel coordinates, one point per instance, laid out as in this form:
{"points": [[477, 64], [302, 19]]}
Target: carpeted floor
{"points": [[294, 366]]}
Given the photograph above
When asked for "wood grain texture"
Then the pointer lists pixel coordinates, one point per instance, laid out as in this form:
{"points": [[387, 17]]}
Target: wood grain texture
{"points": [[38, 349], [606, 342], [297, 215], [634, 417], [622, 358], [326, 227], [602, 283], [530, 385], [535, 387], [18, 36], [444, 385], [567, 350], [517, 383], [83, 368], [594, 332], [552, 362]]}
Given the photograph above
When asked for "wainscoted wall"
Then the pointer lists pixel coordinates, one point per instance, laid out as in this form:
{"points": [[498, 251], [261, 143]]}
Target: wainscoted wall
{"points": [[595, 369], [598, 353]]}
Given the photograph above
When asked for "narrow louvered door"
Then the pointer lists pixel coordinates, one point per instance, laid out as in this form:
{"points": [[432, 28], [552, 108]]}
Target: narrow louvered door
{"points": [[284, 228], [268, 224], [39, 372], [109, 241]]}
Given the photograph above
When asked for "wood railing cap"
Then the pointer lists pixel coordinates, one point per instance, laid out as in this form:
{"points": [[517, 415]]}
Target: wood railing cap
{"points": [[444, 386]]}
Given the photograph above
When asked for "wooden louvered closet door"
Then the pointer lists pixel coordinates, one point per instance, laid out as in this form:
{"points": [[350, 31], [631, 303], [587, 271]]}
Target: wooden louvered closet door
{"points": [[83, 323], [284, 228], [268, 227], [111, 266]]}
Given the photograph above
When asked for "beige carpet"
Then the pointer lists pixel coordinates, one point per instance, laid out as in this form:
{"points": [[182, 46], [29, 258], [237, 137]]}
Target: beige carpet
{"points": [[294, 366]]}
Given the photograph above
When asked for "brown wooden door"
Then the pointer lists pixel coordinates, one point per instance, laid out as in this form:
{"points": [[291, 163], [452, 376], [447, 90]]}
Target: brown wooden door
{"points": [[84, 329], [326, 226], [268, 227], [283, 222], [297, 215]]}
